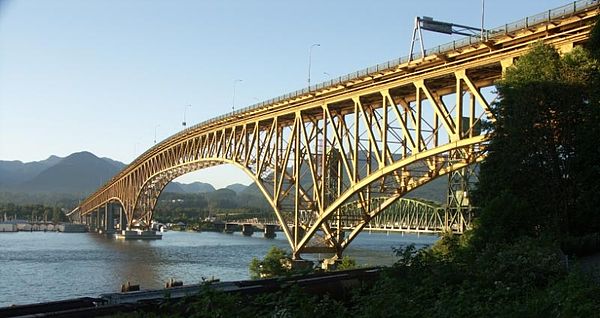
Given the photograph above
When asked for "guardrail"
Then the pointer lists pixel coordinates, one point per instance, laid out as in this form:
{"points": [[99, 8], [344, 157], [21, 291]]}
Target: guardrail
{"points": [[544, 17]]}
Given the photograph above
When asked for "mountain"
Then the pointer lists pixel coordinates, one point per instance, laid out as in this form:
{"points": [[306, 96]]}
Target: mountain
{"points": [[174, 187], [435, 190], [81, 173], [118, 164], [197, 187], [237, 187], [16, 172]]}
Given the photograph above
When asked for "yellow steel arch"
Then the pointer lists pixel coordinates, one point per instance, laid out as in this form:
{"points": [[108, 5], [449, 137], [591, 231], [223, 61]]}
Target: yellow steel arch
{"points": [[379, 132]]}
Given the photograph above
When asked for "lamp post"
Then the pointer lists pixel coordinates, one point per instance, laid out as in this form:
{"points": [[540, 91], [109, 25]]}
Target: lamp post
{"points": [[310, 60], [155, 127], [135, 147], [233, 102], [482, 19], [184, 110]]}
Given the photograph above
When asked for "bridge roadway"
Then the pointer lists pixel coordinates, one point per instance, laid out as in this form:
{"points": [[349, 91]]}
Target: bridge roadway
{"points": [[379, 132]]}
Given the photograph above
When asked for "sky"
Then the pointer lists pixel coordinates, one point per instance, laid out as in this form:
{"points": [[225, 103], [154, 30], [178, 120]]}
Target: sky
{"points": [[106, 76]]}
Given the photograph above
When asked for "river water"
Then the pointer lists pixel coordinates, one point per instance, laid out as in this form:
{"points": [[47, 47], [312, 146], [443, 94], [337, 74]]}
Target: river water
{"points": [[48, 266]]}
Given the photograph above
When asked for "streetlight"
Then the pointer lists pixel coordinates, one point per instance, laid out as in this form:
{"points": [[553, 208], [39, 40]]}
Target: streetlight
{"points": [[135, 146], [184, 109], [482, 17], [155, 127], [309, 61], [233, 102]]}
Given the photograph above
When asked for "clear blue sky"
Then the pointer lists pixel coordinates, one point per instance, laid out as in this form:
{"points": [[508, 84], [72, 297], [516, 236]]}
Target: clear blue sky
{"points": [[100, 75]]}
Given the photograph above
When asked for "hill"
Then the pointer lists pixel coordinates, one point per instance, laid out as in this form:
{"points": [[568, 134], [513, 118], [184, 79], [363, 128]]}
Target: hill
{"points": [[16, 172], [237, 187], [197, 187], [79, 173]]}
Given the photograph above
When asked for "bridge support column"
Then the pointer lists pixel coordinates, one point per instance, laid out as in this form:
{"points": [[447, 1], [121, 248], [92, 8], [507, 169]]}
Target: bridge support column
{"points": [[98, 219], [122, 219], [101, 218], [109, 222], [247, 229], [269, 231], [459, 212], [229, 228], [330, 264]]}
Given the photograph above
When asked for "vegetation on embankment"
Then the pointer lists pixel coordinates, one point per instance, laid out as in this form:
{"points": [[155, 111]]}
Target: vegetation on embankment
{"points": [[32, 212], [538, 195]]}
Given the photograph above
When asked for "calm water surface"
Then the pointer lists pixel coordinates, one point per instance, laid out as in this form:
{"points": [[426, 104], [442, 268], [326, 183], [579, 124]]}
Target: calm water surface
{"points": [[38, 266]]}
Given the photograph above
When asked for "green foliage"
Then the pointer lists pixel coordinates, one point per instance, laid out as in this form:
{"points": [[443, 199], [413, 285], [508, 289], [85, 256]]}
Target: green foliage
{"points": [[447, 246], [539, 178], [294, 302], [194, 207], [524, 279], [347, 263], [211, 303], [32, 212], [275, 264], [593, 44], [62, 200], [291, 302]]}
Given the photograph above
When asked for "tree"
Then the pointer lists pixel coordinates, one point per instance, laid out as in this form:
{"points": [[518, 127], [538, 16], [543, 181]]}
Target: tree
{"points": [[273, 265], [538, 177], [593, 44]]}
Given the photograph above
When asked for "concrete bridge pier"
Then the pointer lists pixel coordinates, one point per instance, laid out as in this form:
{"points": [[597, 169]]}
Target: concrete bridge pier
{"points": [[95, 220], [101, 215], [247, 229], [109, 221], [229, 228], [122, 219], [269, 231]]}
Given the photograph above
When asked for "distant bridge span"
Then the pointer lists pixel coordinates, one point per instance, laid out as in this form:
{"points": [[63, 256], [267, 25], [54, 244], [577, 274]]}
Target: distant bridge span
{"points": [[380, 132]]}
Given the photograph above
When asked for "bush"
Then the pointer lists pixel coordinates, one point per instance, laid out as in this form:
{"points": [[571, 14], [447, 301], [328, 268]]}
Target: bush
{"points": [[276, 263]]}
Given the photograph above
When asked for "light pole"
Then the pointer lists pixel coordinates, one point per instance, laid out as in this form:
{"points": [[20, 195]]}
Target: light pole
{"points": [[310, 60], [482, 17], [155, 127], [184, 110], [135, 146], [233, 102]]}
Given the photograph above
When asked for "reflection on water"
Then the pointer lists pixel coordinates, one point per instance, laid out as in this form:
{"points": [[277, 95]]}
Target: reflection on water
{"points": [[38, 266]]}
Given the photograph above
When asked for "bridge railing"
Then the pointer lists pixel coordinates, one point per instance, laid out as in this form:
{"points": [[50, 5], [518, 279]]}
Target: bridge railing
{"points": [[544, 17], [547, 16]]}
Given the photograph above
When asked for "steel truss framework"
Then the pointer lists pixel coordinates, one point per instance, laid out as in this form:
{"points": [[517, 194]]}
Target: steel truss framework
{"points": [[405, 215], [378, 136]]}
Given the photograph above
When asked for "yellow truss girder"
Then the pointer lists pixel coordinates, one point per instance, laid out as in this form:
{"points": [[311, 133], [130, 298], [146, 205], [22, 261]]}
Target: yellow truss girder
{"points": [[383, 134]]}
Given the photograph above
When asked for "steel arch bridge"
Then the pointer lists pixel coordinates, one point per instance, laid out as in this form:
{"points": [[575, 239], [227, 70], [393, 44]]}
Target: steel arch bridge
{"points": [[376, 133]]}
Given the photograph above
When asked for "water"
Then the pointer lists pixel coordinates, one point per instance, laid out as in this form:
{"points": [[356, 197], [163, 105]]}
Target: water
{"points": [[38, 266]]}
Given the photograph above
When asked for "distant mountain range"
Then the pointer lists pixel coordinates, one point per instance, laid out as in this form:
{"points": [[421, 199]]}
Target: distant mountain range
{"points": [[81, 173]]}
